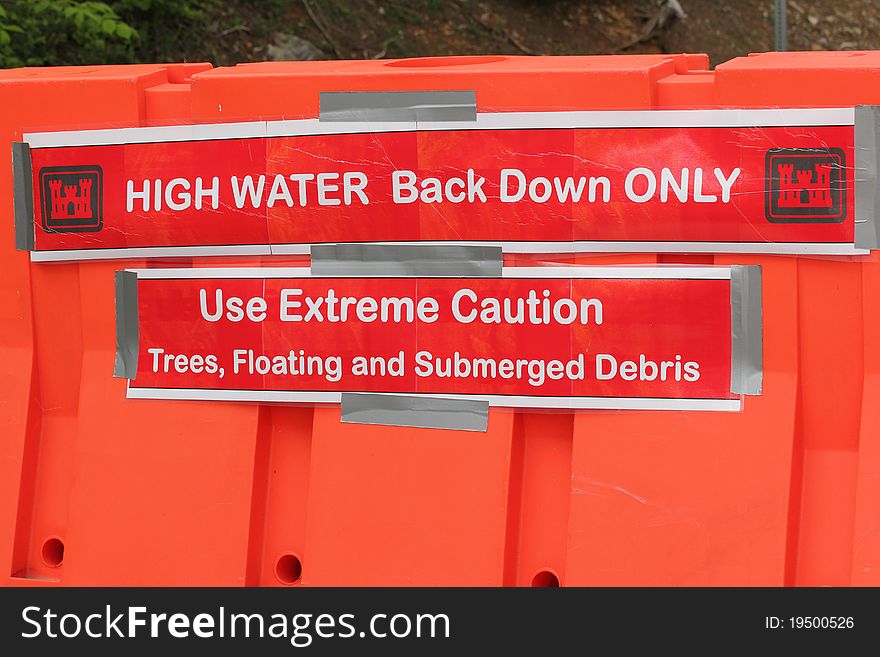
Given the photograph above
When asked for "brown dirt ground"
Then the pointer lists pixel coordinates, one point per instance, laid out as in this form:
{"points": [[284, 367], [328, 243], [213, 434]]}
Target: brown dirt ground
{"points": [[410, 28]]}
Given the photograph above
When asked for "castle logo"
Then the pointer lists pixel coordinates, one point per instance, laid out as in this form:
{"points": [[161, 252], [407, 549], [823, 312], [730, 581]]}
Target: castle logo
{"points": [[805, 185], [71, 199]]}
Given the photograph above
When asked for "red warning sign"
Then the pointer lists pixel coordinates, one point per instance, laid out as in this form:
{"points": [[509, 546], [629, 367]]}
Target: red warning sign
{"points": [[582, 337], [768, 181]]}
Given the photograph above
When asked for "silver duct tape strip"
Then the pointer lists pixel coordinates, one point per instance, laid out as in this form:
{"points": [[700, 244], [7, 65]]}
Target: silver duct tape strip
{"points": [[410, 411], [127, 338], [867, 144], [406, 260], [23, 196], [399, 106], [747, 350]]}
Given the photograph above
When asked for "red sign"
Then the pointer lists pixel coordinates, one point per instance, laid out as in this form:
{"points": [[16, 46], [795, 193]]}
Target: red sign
{"points": [[769, 181], [576, 337]]}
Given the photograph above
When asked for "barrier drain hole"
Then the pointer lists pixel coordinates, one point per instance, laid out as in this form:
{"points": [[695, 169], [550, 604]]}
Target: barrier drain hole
{"points": [[53, 552], [288, 569], [545, 579]]}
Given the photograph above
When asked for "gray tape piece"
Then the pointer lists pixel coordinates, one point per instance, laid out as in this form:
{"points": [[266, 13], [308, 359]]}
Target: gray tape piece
{"points": [[426, 260], [399, 106], [23, 196], [747, 350], [410, 411], [127, 339], [867, 189]]}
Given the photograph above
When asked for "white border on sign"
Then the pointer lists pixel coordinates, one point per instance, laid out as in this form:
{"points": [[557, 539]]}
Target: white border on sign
{"points": [[545, 248], [631, 272], [721, 118], [558, 403], [683, 272]]}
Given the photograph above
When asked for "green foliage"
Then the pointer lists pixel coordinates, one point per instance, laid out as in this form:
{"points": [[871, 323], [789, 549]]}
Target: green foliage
{"points": [[51, 32], [162, 25], [70, 32]]}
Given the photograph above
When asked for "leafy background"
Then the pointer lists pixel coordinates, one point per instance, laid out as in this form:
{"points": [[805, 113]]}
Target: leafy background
{"points": [[224, 32], [71, 32]]}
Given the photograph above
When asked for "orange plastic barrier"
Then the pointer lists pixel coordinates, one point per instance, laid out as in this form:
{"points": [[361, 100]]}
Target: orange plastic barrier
{"points": [[99, 489]]}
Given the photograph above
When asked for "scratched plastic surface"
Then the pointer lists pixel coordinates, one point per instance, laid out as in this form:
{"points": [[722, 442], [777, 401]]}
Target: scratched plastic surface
{"points": [[702, 184], [97, 489]]}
